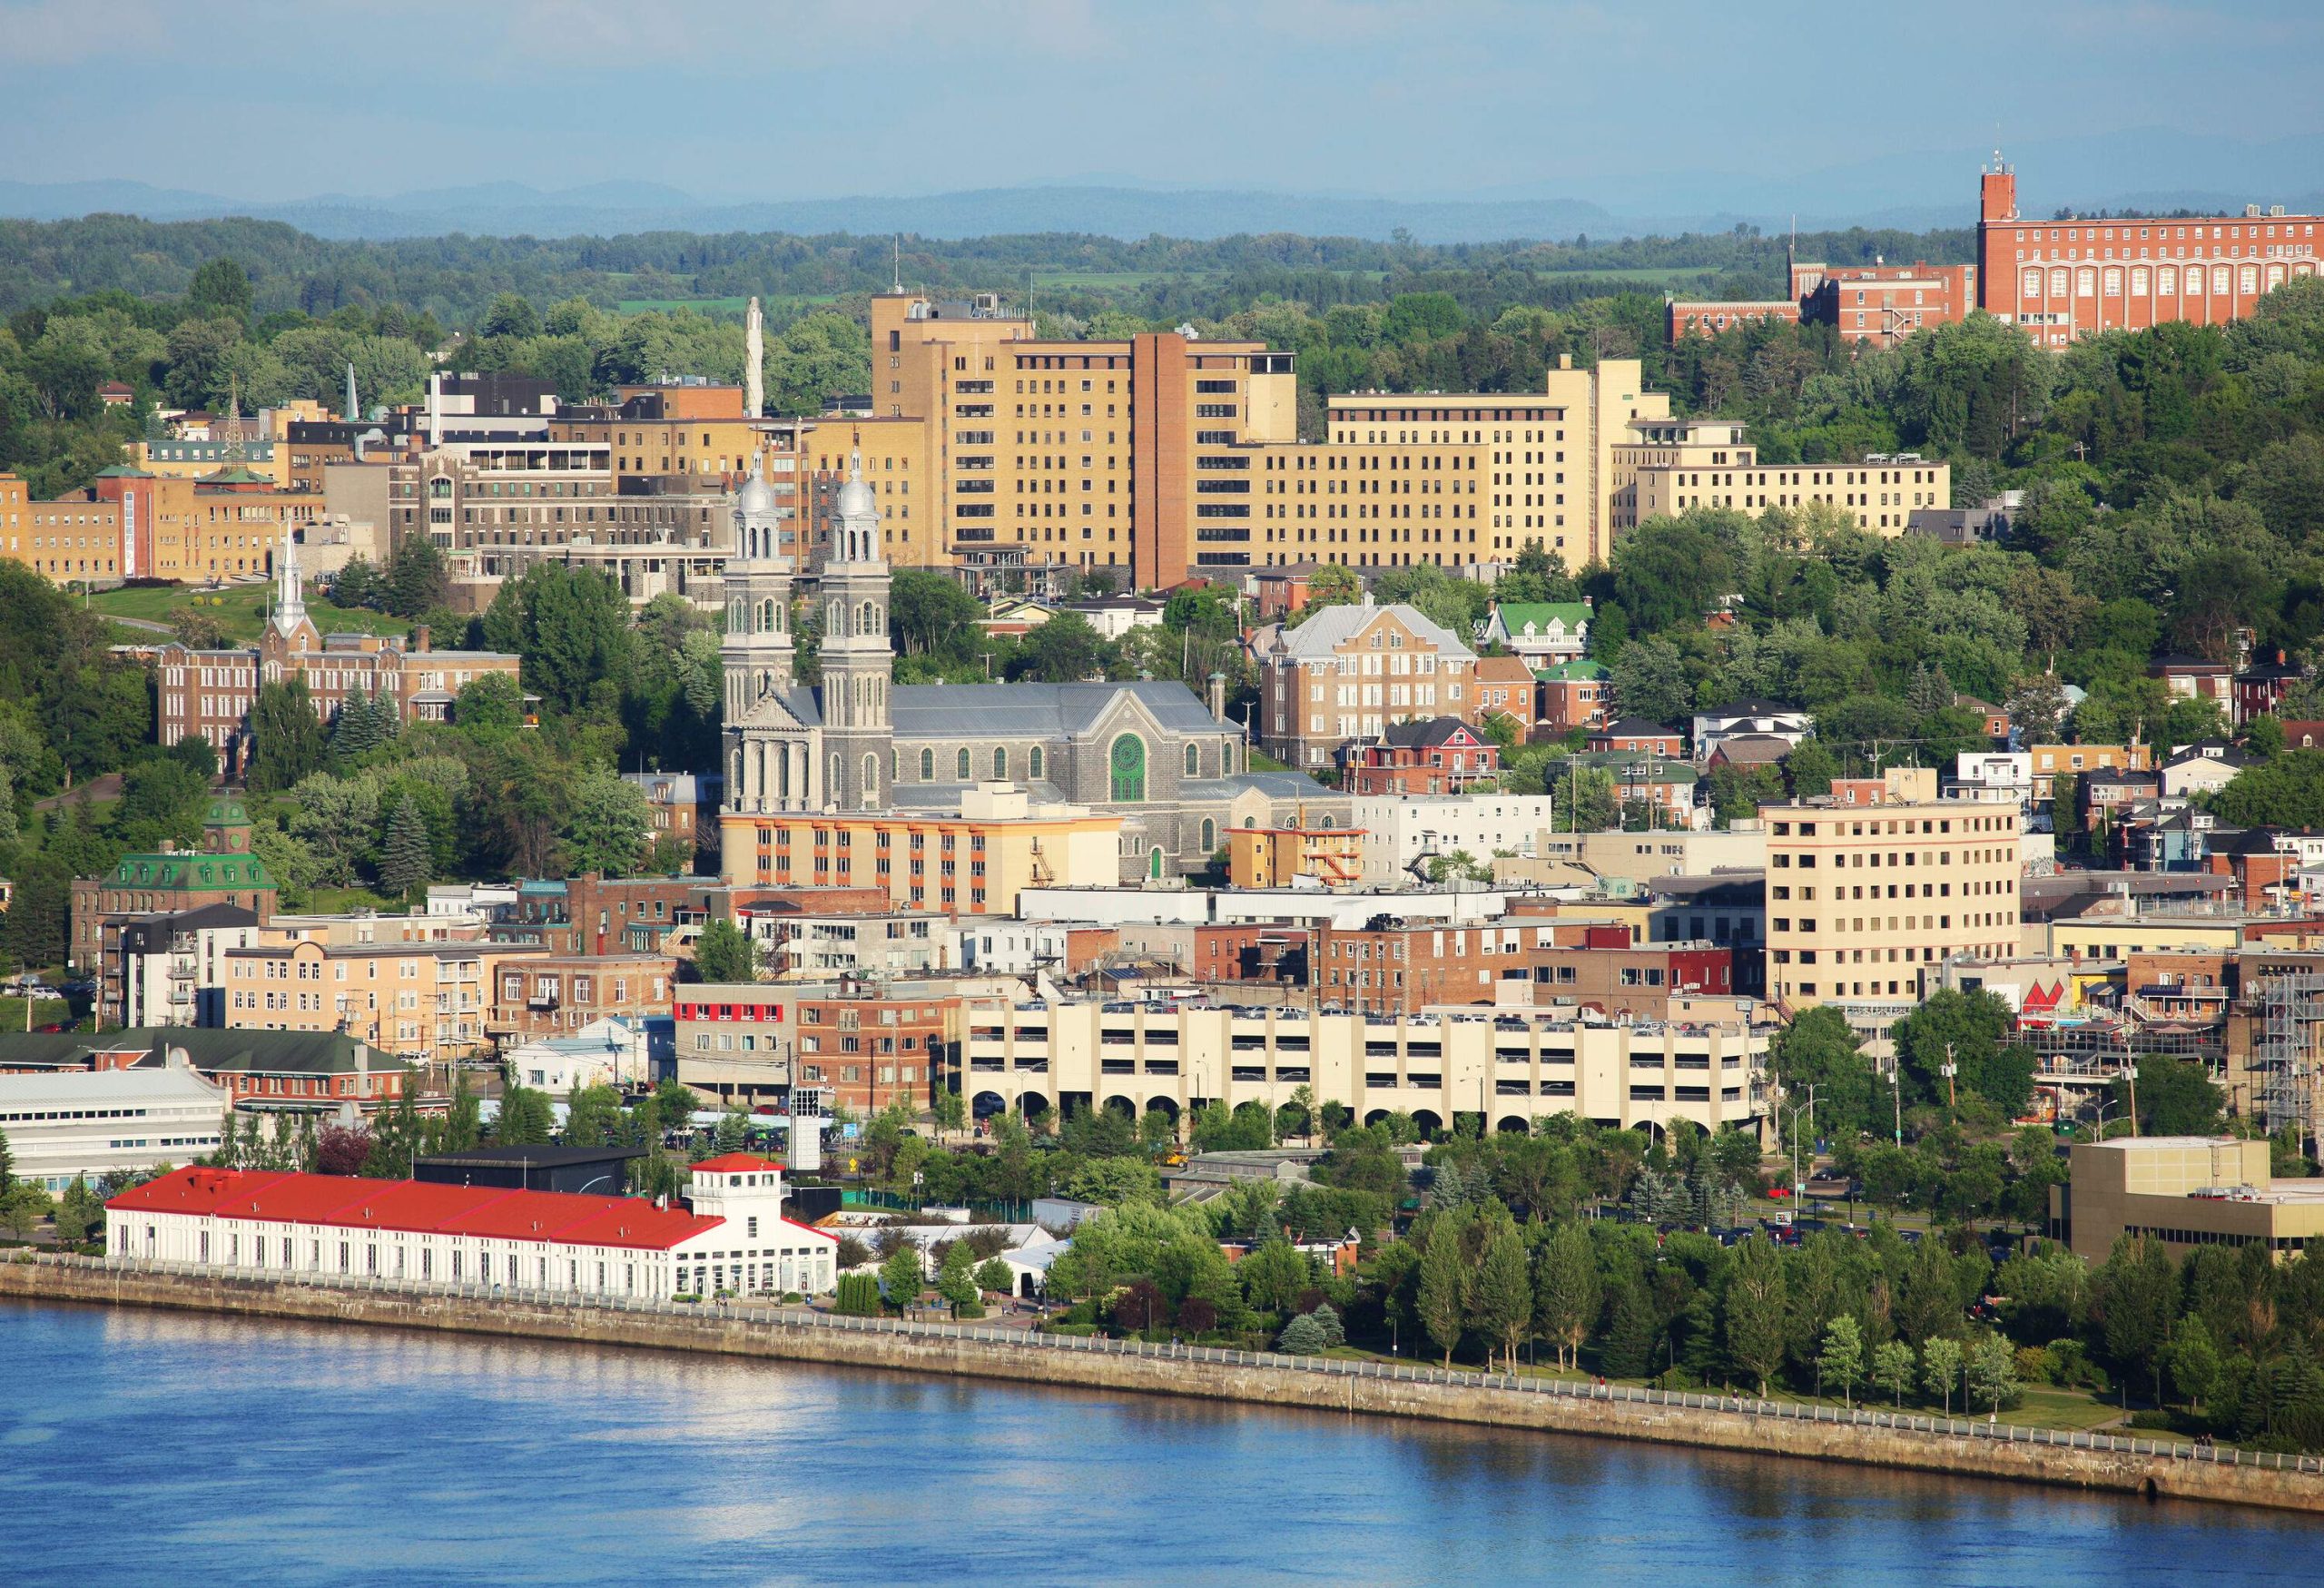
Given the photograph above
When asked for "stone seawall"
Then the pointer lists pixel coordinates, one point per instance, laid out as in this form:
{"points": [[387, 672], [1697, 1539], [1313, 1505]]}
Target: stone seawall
{"points": [[1246, 1384]]}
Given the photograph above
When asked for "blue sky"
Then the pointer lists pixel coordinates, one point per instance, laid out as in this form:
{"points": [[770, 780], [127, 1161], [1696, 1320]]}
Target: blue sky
{"points": [[755, 99]]}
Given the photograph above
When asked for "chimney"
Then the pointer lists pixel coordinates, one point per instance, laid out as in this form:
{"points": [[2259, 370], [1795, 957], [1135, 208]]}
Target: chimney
{"points": [[1218, 697], [418, 636]]}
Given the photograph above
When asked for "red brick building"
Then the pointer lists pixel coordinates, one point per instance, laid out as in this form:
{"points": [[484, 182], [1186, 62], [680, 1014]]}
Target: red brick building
{"points": [[1506, 687], [1574, 694], [868, 1052], [548, 995], [1708, 319], [1883, 303], [1391, 967], [1442, 755], [2063, 279], [1635, 735]]}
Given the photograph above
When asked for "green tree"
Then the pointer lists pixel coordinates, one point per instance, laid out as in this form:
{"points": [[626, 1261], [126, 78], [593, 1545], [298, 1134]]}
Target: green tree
{"points": [[1503, 1306], [1063, 650], [287, 741], [1840, 1359], [2175, 1096], [2137, 1293], [405, 861], [1992, 1368], [608, 825], [1941, 1369], [994, 1277], [7, 1163], [724, 953], [955, 1280], [592, 1116], [417, 581], [1892, 1368], [1274, 1274], [1443, 1303], [22, 1207], [526, 1117], [2194, 1360], [490, 707], [904, 1275], [1757, 1310], [221, 289]]}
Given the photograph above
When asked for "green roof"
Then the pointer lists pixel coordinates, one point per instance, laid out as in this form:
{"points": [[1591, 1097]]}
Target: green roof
{"points": [[209, 1048], [1515, 616], [123, 471], [194, 871], [1580, 670]]}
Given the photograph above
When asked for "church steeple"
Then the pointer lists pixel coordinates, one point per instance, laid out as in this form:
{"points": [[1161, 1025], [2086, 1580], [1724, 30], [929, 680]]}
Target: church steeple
{"points": [[289, 596], [857, 661]]}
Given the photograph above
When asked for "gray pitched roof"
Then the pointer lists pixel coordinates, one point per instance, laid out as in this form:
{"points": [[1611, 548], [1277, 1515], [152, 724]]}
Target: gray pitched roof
{"points": [[1323, 634], [1035, 710]]}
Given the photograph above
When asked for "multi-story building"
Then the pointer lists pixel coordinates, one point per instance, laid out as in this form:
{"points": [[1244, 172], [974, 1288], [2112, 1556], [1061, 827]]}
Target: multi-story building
{"points": [[1541, 633], [1747, 718], [1349, 672], [539, 995], [1709, 316], [173, 882], [1507, 691], [84, 1124], [1510, 1065], [1277, 857], [173, 968], [880, 946], [1870, 888], [2048, 763], [1389, 967], [1574, 694], [417, 1000], [211, 693], [2065, 278], [867, 1049], [1668, 465], [2185, 1192], [1404, 832], [1436, 755], [75, 540], [1883, 303], [733, 1040]]}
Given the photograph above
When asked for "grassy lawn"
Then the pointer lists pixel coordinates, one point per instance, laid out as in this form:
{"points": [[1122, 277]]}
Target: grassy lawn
{"points": [[241, 608], [45, 1012]]}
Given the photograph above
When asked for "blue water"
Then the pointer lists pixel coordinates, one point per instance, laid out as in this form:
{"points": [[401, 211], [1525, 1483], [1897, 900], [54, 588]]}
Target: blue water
{"points": [[153, 1449]]}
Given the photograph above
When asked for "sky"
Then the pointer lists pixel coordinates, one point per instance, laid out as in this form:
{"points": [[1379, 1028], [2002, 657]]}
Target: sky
{"points": [[746, 100]]}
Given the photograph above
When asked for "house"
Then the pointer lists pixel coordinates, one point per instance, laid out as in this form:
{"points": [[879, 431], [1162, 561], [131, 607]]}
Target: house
{"points": [[1575, 694], [1014, 614], [1348, 672], [1540, 632], [2304, 734], [2049, 761], [1440, 756], [1746, 749], [1636, 735], [1994, 777], [2202, 768], [605, 1052], [2101, 794], [1714, 728], [2194, 677], [1506, 689], [1278, 592], [1994, 717], [1115, 616], [2260, 687]]}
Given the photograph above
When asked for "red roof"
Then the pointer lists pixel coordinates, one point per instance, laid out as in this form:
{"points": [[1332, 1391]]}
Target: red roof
{"points": [[419, 1206], [735, 1163]]}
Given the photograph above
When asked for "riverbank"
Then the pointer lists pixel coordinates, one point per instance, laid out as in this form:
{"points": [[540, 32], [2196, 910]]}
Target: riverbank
{"points": [[2093, 1462]]}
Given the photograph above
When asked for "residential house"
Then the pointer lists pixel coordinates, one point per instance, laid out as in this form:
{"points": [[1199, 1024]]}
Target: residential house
{"points": [[1541, 633], [1714, 728], [1576, 695], [1506, 689], [1350, 671], [1442, 755], [1636, 735]]}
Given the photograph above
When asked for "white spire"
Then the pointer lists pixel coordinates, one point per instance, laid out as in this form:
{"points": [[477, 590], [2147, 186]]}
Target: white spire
{"points": [[290, 599], [754, 356]]}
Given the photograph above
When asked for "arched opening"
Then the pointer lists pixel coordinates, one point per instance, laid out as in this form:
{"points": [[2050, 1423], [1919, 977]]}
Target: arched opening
{"points": [[927, 767], [1128, 765], [1165, 1106], [986, 1104], [1513, 1125], [1120, 1105], [1033, 1105], [1426, 1121], [871, 783], [830, 791], [1249, 822], [960, 771], [1326, 824], [1194, 762], [1209, 836], [1033, 759], [1374, 1116], [1000, 762], [1154, 864]]}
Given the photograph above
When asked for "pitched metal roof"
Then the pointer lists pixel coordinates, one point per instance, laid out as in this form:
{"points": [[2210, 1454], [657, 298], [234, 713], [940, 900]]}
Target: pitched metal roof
{"points": [[1055, 711], [1324, 633]]}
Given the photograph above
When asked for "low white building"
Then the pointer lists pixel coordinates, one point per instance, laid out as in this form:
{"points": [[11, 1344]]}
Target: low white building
{"points": [[1191, 906], [1998, 777], [605, 1052], [1401, 828], [79, 1124], [816, 947], [1016, 948], [1745, 717], [735, 1239]]}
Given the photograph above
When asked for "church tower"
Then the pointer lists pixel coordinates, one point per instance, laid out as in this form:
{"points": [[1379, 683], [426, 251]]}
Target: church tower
{"points": [[769, 751], [858, 663]]}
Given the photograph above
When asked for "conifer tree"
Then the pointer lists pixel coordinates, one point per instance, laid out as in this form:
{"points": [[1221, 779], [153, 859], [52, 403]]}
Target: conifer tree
{"points": [[355, 729], [404, 857]]}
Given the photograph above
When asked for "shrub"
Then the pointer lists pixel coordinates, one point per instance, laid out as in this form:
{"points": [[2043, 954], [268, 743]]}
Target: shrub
{"points": [[1327, 1320], [859, 1295], [1303, 1336]]}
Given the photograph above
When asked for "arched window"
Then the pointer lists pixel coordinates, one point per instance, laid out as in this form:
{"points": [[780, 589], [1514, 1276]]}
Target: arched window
{"points": [[1250, 822], [1033, 762], [1127, 764], [1326, 824], [871, 783], [1193, 761], [960, 767], [1001, 761], [832, 792], [1209, 836], [927, 767]]}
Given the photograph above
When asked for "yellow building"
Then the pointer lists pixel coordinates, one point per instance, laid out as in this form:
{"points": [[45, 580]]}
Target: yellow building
{"points": [[1873, 886], [2185, 1192], [1271, 857], [974, 861], [423, 1001], [2116, 937], [1669, 466]]}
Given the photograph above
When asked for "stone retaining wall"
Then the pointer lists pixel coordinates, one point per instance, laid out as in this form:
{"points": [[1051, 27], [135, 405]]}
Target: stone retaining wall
{"points": [[1248, 1384]]}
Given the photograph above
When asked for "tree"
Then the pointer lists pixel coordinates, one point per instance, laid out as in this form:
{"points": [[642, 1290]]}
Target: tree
{"points": [[1810, 768], [1274, 1274], [511, 315], [1503, 1303], [1064, 650], [2193, 1360], [904, 1275], [1757, 1310], [2176, 1097], [404, 858], [608, 825], [417, 581], [1991, 1367], [1444, 1283], [341, 1150], [7, 1164], [490, 707], [1302, 1336], [726, 953], [1650, 679], [22, 1207], [221, 288], [287, 741], [1892, 1368], [955, 1280], [1941, 1369], [1840, 1359], [995, 1277], [2137, 1293], [526, 1117], [592, 1116], [198, 629]]}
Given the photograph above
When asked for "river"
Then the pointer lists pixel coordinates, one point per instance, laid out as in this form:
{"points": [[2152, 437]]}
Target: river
{"points": [[146, 1448]]}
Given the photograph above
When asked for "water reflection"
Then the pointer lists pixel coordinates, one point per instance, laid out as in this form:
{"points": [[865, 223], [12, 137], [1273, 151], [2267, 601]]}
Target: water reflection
{"points": [[199, 1449]]}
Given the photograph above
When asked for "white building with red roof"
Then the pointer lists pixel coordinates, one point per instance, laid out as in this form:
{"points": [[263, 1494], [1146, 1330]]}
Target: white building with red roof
{"points": [[734, 1240]]}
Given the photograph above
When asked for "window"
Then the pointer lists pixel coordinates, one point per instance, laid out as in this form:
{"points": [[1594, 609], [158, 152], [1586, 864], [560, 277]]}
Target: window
{"points": [[1193, 761], [1000, 762], [1209, 836], [927, 767], [1127, 764], [1033, 762], [960, 767]]}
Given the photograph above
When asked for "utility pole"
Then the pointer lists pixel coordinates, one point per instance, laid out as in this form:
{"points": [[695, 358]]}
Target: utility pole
{"points": [[1951, 1070], [2131, 1073]]}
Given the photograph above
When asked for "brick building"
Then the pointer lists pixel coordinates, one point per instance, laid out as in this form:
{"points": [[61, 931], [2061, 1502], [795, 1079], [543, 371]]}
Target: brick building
{"points": [[870, 1052], [2063, 279], [550, 994], [1708, 318], [1400, 968], [1506, 689], [223, 871], [1442, 755], [1883, 303], [1574, 694], [1349, 672]]}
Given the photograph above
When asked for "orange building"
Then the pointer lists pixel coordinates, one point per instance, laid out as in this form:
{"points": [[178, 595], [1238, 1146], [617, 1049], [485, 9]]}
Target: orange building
{"points": [[1708, 318], [2063, 279], [1270, 857], [1883, 303]]}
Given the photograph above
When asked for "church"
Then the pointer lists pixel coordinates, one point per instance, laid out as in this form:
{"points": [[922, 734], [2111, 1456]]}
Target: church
{"points": [[1153, 753]]}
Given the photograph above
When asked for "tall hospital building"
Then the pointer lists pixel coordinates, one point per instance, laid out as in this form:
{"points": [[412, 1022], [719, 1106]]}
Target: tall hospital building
{"points": [[1166, 455]]}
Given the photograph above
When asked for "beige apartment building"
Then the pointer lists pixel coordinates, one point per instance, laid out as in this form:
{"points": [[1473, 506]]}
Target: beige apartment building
{"points": [[417, 1000], [1667, 465], [1514, 1066], [1872, 886], [2185, 1192]]}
